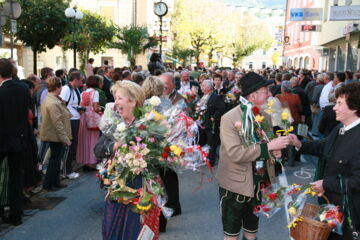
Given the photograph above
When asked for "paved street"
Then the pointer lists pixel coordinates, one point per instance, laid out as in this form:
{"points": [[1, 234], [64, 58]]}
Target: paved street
{"points": [[78, 216]]}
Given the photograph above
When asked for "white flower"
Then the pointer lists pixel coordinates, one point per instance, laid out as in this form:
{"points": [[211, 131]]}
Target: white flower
{"points": [[121, 127], [155, 101]]}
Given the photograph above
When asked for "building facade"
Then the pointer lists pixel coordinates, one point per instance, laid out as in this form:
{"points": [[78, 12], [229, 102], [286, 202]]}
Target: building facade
{"points": [[121, 12], [301, 45], [340, 35]]}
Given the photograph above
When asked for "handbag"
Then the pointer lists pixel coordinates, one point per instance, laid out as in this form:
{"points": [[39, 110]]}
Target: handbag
{"points": [[346, 207], [92, 118]]}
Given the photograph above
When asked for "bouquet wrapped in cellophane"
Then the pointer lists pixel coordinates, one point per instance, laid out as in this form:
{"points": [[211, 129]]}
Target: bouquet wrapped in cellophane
{"points": [[155, 140]]}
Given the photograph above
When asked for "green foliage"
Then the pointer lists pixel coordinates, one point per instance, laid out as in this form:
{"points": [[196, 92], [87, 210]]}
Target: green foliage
{"points": [[42, 23], [133, 40], [91, 34], [99, 29]]}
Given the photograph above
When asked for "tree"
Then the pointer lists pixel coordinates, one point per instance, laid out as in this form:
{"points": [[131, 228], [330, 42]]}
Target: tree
{"points": [[42, 24], [245, 37], [93, 34], [199, 25], [183, 54], [133, 40], [275, 58]]}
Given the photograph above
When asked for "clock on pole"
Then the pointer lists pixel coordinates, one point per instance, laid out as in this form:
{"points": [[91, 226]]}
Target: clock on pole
{"points": [[160, 10]]}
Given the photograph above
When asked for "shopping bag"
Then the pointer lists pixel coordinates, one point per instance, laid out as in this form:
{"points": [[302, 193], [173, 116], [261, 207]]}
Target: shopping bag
{"points": [[302, 130]]}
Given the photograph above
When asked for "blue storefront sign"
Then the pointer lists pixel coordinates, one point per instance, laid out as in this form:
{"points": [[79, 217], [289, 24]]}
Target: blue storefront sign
{"points": [[305, 14]]}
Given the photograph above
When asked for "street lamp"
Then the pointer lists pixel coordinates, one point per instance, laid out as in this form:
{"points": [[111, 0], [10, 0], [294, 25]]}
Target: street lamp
{"points": [[77, 15]]}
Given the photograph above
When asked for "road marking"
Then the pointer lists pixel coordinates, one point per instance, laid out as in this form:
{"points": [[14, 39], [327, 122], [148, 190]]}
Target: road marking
{"points": [[304, 173]]}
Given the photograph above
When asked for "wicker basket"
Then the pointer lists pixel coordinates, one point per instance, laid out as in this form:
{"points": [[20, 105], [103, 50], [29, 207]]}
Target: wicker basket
{"points": [[310, 229]]}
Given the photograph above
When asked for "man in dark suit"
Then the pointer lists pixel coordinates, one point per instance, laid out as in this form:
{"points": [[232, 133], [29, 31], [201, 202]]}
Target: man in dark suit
{"points": [[305, 102], [186, 85], [107, 83], [14, 133], [213, 108]]}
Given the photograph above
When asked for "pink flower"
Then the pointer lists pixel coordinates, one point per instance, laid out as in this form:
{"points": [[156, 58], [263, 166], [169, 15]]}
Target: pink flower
{"points": [[238, 125], [138, 139], [152, 140], [138, 155]]}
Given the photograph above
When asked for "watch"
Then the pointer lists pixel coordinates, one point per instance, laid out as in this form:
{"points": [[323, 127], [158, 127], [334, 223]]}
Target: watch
{"points": [[160, 9]]}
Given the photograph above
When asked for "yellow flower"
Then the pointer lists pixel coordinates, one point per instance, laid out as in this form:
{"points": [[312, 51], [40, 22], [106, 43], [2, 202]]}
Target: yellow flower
{"points": [[259, 118], [176, 150], [293, 223], [310, 191], [285, 116], [292, 211], [269, 111], [158, 116], [270, 103]]}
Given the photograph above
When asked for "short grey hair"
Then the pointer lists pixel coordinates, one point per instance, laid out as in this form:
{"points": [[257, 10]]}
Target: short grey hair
{"points": [[286, 86], [170, 75], [321, 77], [294, 80], [209, 83]]}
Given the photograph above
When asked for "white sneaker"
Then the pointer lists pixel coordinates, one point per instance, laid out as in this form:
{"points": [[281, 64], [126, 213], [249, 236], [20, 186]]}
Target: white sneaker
{"points": [[73, 175]]}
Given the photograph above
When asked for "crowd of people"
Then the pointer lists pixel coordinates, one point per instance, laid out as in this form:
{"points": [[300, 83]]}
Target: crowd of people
{"points": [[45, 130]]}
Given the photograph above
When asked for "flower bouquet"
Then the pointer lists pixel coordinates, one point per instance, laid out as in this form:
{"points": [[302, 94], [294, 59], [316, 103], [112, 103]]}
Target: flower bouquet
{"points": [[331, 215], [131, 175], [272, 201], [191, 98]]}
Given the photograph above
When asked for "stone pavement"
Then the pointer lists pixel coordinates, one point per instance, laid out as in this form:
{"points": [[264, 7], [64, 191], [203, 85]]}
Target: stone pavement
{"points": [[79, 215]]}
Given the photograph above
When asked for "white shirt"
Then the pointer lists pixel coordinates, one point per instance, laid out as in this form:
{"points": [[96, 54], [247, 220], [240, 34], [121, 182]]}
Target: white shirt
{"points": [[324, 97], [350, 126], [185, 87], [73, 101]]}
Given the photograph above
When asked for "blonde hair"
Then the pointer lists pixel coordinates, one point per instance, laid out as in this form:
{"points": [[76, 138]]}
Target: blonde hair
{"points": [[130, 90], [153, 86], [53, 83]]}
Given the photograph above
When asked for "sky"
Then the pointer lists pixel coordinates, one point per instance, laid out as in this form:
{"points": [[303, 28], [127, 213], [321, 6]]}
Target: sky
{"points": [[259, 3]]}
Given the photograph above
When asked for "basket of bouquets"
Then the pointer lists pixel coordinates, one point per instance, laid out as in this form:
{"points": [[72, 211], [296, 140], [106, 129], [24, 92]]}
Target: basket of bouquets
{"points": [[314, 222]]}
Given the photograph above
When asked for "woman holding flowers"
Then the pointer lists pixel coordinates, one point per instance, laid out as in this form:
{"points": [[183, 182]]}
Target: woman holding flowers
{"points": [[120, 222], [338, 170]]}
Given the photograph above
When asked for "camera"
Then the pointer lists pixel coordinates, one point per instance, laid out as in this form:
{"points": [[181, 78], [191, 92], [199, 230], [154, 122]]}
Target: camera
{"points": [[80, 109]]}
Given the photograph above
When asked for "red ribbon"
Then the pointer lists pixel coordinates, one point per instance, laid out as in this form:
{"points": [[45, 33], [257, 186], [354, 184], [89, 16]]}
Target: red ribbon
{"points": [[204, 154], [188, 121]]}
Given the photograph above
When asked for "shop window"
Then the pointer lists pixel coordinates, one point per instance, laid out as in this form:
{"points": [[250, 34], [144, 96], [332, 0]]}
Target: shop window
{"points": [[307, 63], [340, 58], [332, 58], [352, 58]]}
